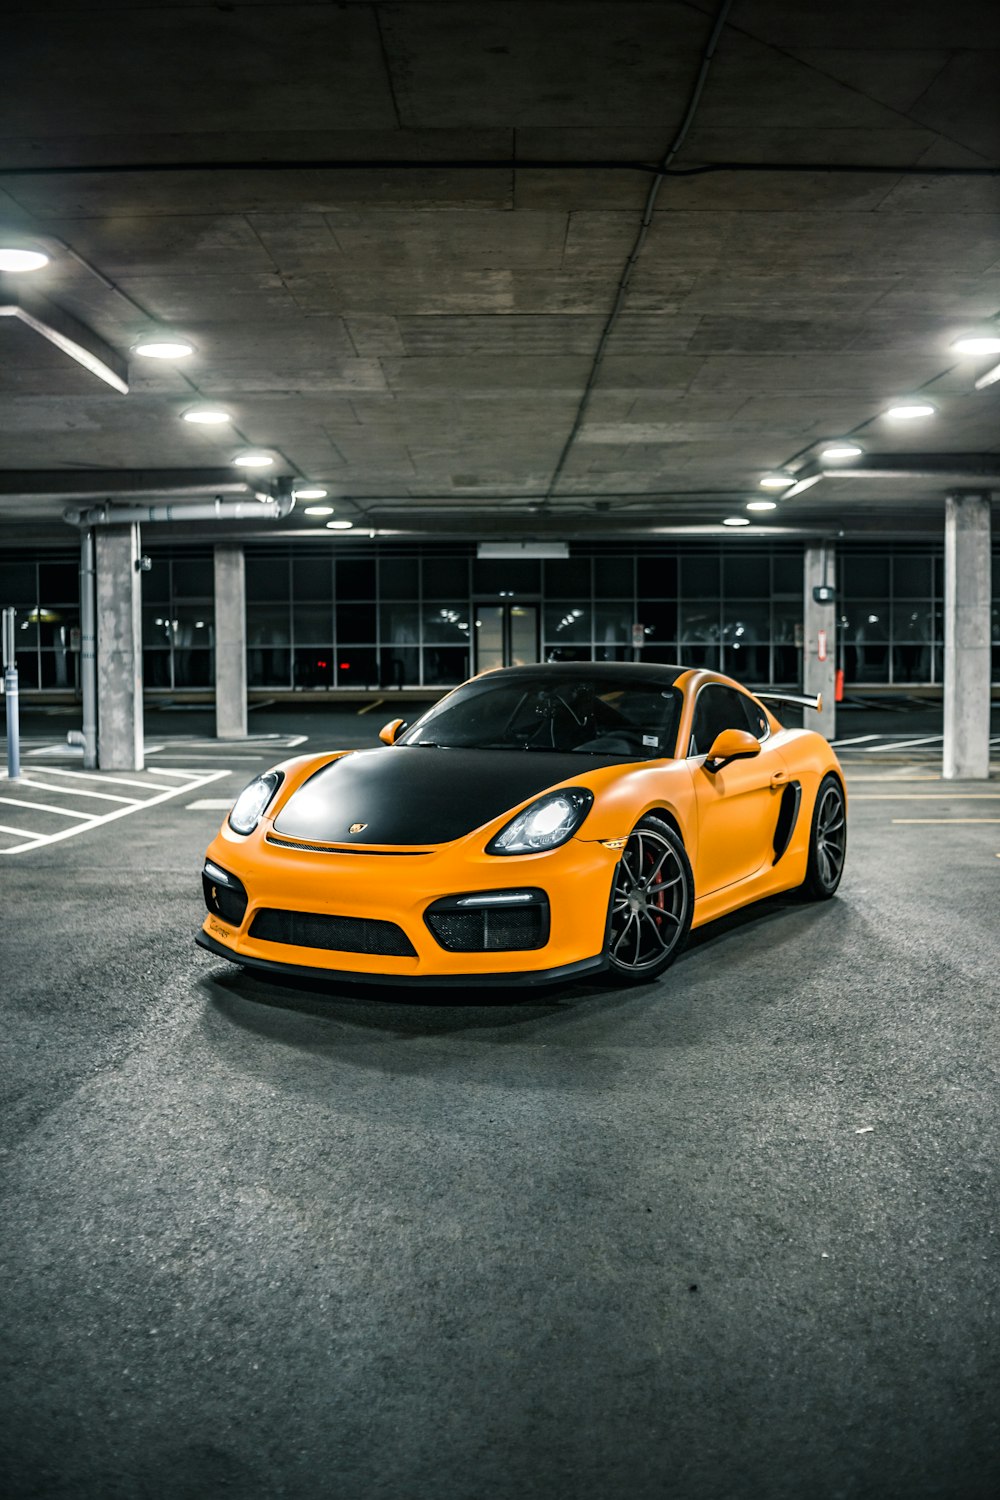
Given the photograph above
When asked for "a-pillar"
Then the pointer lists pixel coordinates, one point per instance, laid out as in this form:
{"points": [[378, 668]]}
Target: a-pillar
{"points": [[819, 645], [119, 649], [230, 642], [967, 637]]}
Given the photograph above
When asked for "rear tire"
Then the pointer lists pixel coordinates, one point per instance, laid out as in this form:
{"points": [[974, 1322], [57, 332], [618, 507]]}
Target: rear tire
{"points": [[827, 841], [651, 905]]}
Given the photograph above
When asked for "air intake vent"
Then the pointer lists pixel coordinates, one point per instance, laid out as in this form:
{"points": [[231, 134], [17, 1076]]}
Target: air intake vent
{"points": [[225, 896], [491, 921], [308, 929]]}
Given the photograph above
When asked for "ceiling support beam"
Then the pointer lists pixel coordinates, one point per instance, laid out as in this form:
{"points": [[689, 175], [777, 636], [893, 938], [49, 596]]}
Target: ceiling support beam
{"points": [[68, 334]]}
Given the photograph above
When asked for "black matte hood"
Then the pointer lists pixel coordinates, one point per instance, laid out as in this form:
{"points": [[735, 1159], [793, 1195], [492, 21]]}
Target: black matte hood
{"points": [[417, 795]]}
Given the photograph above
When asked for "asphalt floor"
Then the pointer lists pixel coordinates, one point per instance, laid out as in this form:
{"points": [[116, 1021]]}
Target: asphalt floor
{"points": [[729, 1235]]}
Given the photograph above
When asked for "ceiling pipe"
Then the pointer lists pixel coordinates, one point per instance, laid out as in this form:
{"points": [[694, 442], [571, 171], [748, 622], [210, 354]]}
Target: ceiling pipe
{"points": [[212, 510]]}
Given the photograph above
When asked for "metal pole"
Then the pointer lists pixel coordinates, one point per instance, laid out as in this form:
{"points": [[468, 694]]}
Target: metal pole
{"points": [[88, 650], [11, 696]]}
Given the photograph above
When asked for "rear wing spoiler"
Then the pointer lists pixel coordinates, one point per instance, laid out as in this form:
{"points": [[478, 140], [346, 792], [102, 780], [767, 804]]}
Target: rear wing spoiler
{"points": [[798, 700]]}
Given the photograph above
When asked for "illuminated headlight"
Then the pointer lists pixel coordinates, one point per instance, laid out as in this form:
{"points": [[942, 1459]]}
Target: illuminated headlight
{"points": [[546, 824], [251, 802]]}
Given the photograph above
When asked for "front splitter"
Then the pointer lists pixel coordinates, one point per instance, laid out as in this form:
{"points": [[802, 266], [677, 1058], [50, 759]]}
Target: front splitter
{"points": [[529, 977]]}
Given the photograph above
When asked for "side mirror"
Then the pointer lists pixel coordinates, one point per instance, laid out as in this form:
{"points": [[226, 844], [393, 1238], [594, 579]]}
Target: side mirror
{"points": [[391, 732], [731, 744]]}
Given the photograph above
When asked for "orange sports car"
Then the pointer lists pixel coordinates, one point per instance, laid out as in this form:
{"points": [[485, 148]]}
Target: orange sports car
{"points": [[537, 823]]}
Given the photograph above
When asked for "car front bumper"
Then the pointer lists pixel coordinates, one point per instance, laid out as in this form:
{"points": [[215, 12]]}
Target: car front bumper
{"points": [[396, 887]]}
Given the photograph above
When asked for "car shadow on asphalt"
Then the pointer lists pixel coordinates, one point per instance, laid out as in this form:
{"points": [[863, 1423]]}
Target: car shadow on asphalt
{"points": [[263, 1003]]}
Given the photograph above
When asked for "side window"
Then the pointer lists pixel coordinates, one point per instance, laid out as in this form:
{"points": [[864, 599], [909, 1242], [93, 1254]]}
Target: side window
{"points": [[717, 708], [756, 718]]}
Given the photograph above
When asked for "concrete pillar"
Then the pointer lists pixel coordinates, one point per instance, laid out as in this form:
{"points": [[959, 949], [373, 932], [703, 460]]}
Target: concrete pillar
{"points": [[819, 644], [119, 649], [967, 637], [230, 642]]}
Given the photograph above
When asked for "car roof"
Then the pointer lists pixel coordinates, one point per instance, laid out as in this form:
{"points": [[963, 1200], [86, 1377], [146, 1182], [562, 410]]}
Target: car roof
{"points": [[614, 671]]}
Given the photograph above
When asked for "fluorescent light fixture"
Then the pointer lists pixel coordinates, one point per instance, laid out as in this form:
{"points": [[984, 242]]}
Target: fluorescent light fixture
{"points": [[762, 505], [13, 259], [253, 460], [803, 484], [160, 346], [206, 416], [837, 452], [340, 525], [776, 481], [318, 510], [522, 549], [736, 521], [309, 492], [990, 378], [977, 343], [909, 411]]}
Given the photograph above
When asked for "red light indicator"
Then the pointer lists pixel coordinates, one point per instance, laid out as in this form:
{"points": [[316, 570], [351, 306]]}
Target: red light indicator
{"points": [[322, 664], [345, 666]]}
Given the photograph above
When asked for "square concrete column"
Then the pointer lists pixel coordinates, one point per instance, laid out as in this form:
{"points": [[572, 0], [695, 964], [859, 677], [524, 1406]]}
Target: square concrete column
{"points": [[967, 637], [819, 645], [230, 642], [119, 649]]}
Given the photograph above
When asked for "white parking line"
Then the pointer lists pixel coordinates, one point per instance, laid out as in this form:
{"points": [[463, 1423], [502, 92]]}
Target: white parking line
{"points": [[20, 832], [102, 777], [210, 804], [860, 740], [931, 739], [89, 821], [75, 791], [926, 797], [62, 812]]}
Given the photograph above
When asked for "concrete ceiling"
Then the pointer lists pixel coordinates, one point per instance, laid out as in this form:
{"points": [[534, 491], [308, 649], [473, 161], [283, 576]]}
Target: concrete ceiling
{"points": [[346, 209]]}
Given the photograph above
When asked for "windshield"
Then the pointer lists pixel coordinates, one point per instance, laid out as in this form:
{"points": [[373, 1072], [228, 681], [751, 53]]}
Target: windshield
{"points": [[583, 715]]}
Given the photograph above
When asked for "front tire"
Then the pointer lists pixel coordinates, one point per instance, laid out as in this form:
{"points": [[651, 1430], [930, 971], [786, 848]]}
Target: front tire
{"points": [[827, 841], [651, 905]]}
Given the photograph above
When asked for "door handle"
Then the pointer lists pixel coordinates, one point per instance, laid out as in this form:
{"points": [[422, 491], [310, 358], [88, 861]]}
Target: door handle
{"points": [[779, 778]]}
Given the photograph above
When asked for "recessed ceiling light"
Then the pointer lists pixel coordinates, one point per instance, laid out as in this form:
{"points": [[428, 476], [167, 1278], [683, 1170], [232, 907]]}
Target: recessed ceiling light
{"points": [[318, 510], [762, 505], [776, 481], [340, 525], [162, 347], [253, 460], [310, 492], [977, 343], [736, 521], [909, 411], [13, 259], [838, 451], [206, 416]]}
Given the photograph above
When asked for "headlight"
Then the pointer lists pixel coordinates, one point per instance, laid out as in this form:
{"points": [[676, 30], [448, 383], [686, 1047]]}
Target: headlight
{"points": [[251, 802], [546, 824]]}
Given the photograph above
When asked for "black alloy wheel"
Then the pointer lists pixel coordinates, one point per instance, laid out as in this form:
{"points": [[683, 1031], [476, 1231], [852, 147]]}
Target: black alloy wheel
{"points": [[828, 841], [652, 903]]}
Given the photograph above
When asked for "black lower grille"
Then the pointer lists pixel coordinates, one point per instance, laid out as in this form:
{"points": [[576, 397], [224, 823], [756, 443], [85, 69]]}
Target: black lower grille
{"points": [[310, 929], [474, 924]]}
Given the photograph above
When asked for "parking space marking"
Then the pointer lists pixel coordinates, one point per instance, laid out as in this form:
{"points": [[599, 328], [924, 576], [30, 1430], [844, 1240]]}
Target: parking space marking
{"points": [[101, 777], [74, 791], [210, 804], [19, 832], [84, 822], [926, 797], [61, 812], [946, 820], [930, 739]]}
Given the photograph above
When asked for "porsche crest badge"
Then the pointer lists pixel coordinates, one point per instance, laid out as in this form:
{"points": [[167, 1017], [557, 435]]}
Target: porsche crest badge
{"points": [[358, 827]]}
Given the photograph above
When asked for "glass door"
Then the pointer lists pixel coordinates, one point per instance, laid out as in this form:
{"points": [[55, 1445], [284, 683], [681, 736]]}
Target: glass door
{"points": [[506, 635]]}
